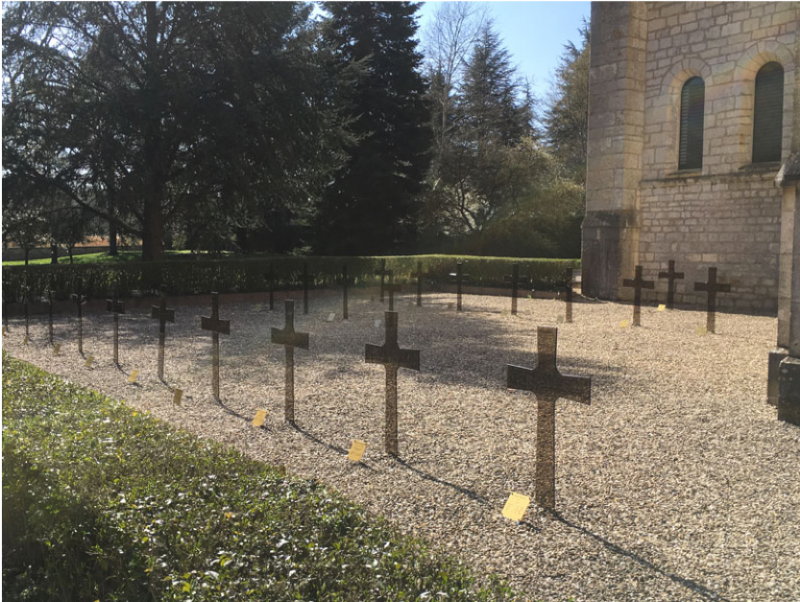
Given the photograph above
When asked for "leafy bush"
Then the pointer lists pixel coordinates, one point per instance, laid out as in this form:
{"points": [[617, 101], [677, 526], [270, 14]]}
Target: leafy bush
{"points": [[104, 503], [247, 275]]}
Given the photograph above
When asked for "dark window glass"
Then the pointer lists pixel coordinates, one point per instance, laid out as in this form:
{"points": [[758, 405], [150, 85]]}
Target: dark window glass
{"points": [[690, 154], [768, 114]]}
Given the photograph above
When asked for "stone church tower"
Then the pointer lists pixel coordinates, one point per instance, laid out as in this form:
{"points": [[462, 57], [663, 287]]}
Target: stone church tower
{"points": [[693, 108]]}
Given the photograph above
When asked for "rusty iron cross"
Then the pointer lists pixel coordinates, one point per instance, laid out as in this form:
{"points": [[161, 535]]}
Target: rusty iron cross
{"points": [[549, 385], [459, 275], [568, 296], [217, 327], [382, 274], [392, 288], [671, 275], [419, 276], [305, 287], [515, 279], [163, 315], [344, 280], [290, 339], [712, 287], [270, 278], [78, 298], [638, 283], [116, 307], [393, 358]]}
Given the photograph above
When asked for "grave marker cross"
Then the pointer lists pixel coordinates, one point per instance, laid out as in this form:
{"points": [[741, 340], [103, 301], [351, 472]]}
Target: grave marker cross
{"points": [[163, 315], [270, 278], [50, 334], [671, 276], [116, 307], [78, 297], [392, 288], [515, 280], [549, 385], [392, 358], [290, 339], [382, 274], [568, 297], [712, 287], [344, 280], [459, 276], [305, 287], [419, 283], [217, 327], [638, 284]]}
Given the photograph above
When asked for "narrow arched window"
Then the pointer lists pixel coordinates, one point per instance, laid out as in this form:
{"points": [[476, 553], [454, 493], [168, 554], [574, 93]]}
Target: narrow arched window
{"points": [[768, 114], [690, 154]]}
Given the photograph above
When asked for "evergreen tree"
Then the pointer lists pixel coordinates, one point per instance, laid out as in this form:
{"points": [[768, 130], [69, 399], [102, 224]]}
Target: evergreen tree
{"points": [[371, 204], [567, 118]]}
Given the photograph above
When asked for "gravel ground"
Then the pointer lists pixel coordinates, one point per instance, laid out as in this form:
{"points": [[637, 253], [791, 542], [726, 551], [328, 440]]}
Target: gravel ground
{"points": [[676, 483]]}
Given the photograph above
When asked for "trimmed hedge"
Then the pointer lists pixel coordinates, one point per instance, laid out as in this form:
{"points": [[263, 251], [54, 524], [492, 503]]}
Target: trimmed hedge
{"points": [[248, 275]]}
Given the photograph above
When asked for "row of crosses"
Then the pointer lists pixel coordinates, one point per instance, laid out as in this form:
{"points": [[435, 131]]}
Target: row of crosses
{"points": [[712, 287]]}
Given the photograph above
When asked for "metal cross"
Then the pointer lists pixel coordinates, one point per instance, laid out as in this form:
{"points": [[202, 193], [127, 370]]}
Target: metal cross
{"points": [[50, 335], [78, 297], [217, 327], [638, 284], [392, 358], [392, 288], [163, 315], [515, 280], [270, 278], [568, 297], [549, 385], [712, 287], [305, 287], [419, 283], [459, 276], [671, 276], [289, 339], [26, 292], [344, 280], [116, 307], [382, 274]]}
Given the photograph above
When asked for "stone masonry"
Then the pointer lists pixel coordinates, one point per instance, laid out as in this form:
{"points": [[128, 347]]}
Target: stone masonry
{"points": [[640, 209]]}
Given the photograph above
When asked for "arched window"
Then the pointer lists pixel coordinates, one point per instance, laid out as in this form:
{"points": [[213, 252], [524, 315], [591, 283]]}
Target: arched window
{"points": [[690, 154], [768, 114]]}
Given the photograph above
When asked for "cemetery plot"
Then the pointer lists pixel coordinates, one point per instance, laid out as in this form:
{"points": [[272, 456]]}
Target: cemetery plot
{"points": [[676, 483]]}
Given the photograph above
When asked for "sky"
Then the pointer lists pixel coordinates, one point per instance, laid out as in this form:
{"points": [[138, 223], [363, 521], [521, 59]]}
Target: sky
{"points": [[534, 33]]}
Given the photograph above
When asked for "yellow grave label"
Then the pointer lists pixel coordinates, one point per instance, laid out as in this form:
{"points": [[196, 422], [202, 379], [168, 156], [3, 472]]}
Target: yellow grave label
{"points": [[357, 450], [515, 507], [89, 360], [701, 331], [330, 317], [56, 348], [260, 417], [26, 340], [177, 396], [624, 324], [661, 307], [132, 377]]}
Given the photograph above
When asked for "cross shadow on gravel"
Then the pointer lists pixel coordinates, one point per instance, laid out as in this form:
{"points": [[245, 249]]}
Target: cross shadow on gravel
{"points": [[429, 477], [694, 586]]}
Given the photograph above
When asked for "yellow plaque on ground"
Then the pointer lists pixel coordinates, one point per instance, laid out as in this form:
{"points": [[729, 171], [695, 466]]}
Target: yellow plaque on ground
{"points": [[662, 307], [89, 360], [260, 417], [624, 324], [330, 317], [177, 396], [56, 348], [132, 377], [515, 507], [357, 450], [701, 331]]}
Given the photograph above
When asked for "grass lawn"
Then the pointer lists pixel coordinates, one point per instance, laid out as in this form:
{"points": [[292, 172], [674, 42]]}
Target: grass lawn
{"points": [[122, 257], [101, 502]]}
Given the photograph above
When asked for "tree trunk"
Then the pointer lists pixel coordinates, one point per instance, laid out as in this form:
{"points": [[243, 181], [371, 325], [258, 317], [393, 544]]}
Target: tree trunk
{"points": [[27, 251], [152, 243], [112, 239], [70, 250]]}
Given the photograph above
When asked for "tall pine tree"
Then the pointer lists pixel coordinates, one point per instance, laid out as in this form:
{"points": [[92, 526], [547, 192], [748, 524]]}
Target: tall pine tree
{"points": [[370, 206]]}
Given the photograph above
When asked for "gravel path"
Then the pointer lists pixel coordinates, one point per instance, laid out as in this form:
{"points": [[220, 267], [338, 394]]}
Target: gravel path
{"points": [[677, 483]]}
